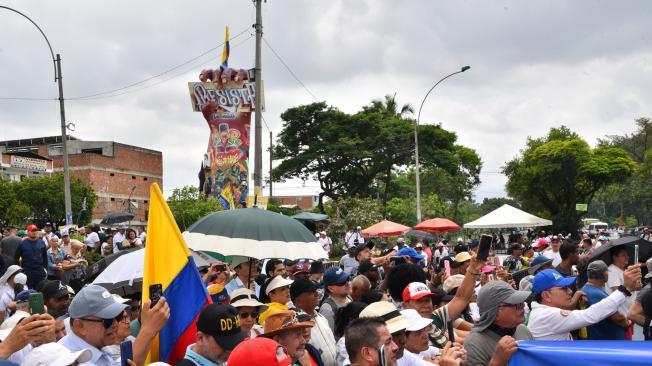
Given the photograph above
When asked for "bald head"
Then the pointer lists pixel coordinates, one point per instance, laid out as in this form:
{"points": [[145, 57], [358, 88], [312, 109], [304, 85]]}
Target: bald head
{"points": [[359, 286]]}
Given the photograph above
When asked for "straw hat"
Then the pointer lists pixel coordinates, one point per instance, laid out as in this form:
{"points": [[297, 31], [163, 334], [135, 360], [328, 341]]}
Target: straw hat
{"points": [[394, 320], [283, 321], [246, 297]]}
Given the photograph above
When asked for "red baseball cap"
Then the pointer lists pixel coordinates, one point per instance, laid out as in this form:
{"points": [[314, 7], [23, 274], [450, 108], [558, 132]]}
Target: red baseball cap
{"points": [[32, 227], [415, 291], [259, 351]]}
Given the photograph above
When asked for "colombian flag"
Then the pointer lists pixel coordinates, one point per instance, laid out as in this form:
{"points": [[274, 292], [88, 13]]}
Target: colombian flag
{"points": [[226, 50], [169, 262]]}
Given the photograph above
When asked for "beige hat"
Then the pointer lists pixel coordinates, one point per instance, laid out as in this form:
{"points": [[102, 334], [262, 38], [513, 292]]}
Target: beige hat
{"points": [[277, 282], [238, 260], [387, 311], [452, 283], [54, 354], [246, 297], [462, 257]]}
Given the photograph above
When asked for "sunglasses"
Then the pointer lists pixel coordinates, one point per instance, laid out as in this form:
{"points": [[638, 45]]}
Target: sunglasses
{"points": [[107, 322], [245, 315]]}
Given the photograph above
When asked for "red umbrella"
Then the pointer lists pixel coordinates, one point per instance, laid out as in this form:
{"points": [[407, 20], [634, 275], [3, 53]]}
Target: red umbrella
{"points": [[437, 225], [385, 228]]}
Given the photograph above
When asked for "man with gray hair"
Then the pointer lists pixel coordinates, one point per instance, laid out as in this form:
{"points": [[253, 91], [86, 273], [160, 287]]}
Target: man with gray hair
{"points": [[614, 326], [492, 340]]}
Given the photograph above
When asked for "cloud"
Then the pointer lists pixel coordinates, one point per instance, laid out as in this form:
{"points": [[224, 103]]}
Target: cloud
{"points": [[535, 65]]}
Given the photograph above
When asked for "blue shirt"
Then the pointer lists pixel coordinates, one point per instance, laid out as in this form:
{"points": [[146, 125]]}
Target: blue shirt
{"points": [[233, 285], [605, 329], [53, 260], [34, 255]]}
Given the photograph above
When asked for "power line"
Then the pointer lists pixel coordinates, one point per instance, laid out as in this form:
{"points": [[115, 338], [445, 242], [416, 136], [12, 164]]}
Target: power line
{"points": [[26, 98], [111, 93], [159, 74], [174, 76], [289, 70]]}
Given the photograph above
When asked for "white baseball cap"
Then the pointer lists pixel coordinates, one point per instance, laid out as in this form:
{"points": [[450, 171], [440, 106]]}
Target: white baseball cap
{"points": [[21, 278], [54, 354], [419, 321]]}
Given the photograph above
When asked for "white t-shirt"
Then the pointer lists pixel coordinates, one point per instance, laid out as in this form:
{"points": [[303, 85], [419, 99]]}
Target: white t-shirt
{"points": [[410, 359], [617, 278], [350, 241], [118, 238], [92, 239], [142, 236], [325, 243], [555, 256]]}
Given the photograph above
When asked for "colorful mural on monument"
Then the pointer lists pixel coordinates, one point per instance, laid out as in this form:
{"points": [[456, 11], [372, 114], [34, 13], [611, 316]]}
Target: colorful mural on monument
{"points": [[225, 97]]}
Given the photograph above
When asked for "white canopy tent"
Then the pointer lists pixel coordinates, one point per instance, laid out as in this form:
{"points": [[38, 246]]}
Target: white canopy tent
{"points": [[507, 216]]}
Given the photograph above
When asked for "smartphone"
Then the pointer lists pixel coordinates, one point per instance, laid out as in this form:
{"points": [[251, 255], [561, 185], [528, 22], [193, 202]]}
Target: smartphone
{"points": [[447, 267], [496, 261], [36, 304], [155, 293], [220, 267], [451, 332], [636, 254], [126, 352], [381, 356], [490, 277], [484, 248], [397, 260]]}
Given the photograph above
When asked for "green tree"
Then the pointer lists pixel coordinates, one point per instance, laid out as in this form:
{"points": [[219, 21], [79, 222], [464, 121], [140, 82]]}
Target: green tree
{"points": [[323, 143], [630, 197], [45, 198], [12, 211], [363, 154], [189, 205], [554, 173]]}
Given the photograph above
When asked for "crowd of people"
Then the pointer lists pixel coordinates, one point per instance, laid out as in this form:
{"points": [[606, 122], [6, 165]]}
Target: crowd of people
{"points": [[412, 303]]}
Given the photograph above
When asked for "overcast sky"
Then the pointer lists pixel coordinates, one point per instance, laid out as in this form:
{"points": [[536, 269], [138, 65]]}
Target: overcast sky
{"points": [[535, 65]]}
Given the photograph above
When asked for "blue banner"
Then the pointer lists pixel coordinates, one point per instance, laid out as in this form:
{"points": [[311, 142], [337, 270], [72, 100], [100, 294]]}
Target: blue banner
{"points": [[575, 353]]}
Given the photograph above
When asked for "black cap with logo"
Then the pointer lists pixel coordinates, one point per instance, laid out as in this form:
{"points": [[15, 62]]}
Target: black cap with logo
{"points": [[222, 321]]}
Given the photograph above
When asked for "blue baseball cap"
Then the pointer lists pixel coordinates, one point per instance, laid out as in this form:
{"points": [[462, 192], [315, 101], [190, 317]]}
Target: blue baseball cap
{"points": [[410, 252], [24, 295], [549, 278], [334, 276]]}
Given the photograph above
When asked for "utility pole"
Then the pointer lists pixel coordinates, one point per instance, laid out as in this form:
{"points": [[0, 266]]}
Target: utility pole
{"points": [[66, 171], [57, 78], [258, 128], [271, 158]]}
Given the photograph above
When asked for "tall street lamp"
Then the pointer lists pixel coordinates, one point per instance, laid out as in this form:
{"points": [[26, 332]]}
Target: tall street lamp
{"points": [[64, 139], [416, 140]]}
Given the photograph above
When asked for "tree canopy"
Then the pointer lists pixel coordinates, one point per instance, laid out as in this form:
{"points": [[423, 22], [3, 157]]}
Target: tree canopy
{"points": [[371, 153], [41, 200], [555, 172], [188, 205]]}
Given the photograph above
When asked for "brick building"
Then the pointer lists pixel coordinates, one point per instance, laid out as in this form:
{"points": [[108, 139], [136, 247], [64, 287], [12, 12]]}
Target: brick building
{"points": [[304, 197], [120, 174]]}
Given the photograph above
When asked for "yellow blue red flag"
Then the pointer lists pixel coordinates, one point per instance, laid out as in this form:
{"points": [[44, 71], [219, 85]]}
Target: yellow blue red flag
{"points": [[169, 262], [226, 51]]}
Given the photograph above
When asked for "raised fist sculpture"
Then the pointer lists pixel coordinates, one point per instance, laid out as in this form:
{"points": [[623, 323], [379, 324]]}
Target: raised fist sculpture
{"points": [[228, 114]]}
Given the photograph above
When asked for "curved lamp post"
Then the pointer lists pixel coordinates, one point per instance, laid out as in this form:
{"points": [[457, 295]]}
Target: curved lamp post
{"points": [[57, 78], [416, 139]]}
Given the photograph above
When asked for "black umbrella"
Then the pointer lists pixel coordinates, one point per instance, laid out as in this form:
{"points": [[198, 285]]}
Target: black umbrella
{"points": [[421, 235], [117, 217], [630, 242], [96, 268]]}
